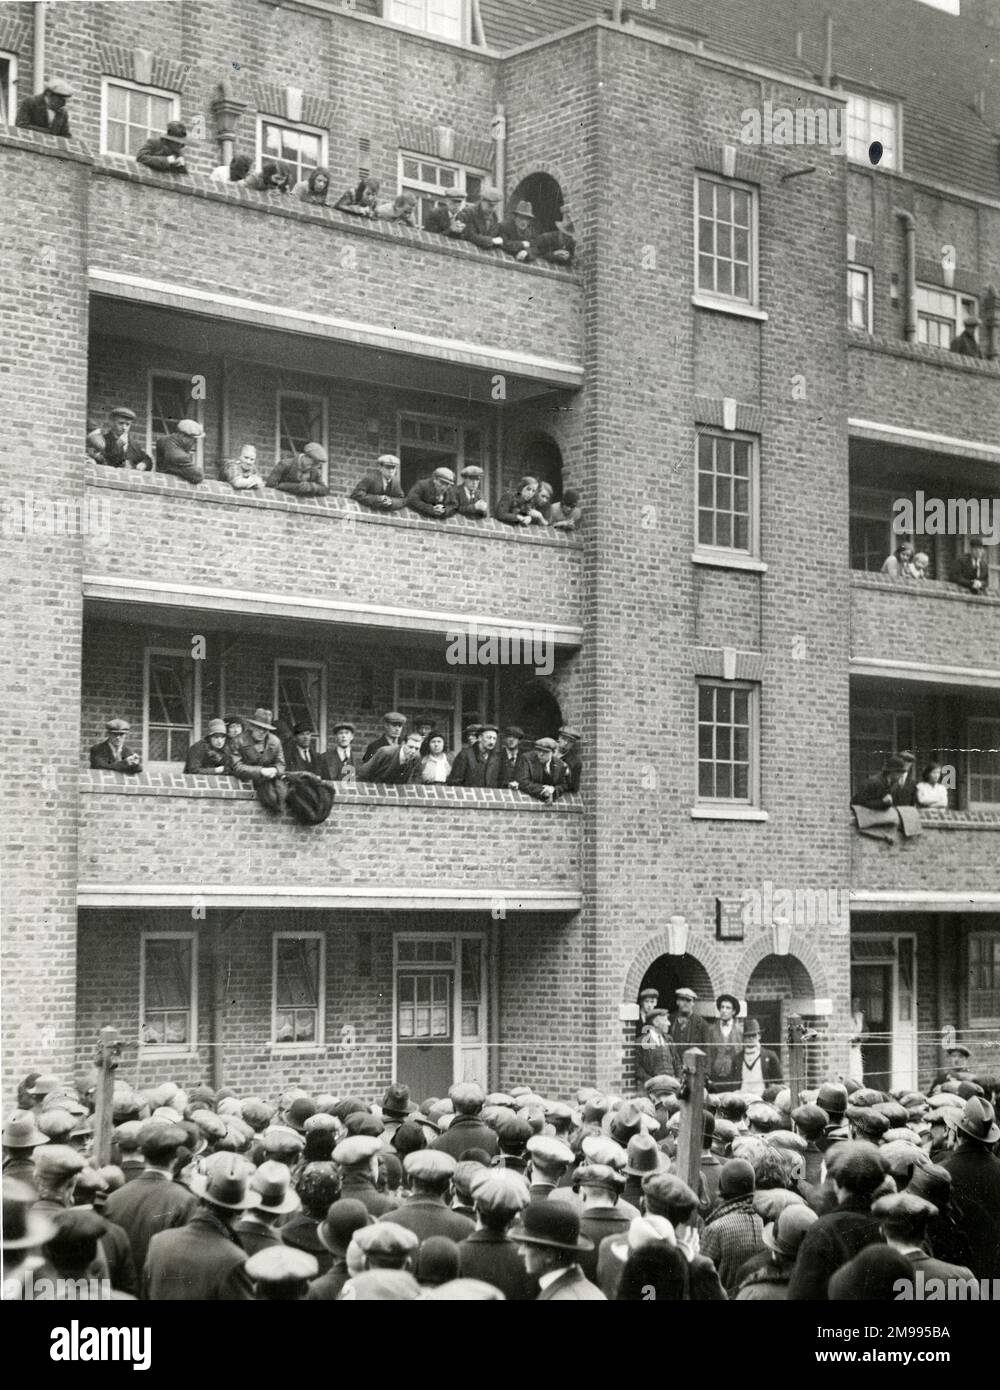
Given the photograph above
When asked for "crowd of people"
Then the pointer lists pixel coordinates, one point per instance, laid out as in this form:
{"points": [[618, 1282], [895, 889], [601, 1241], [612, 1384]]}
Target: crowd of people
{"points": [[439, 496], [286, 771], [839, 1193], [972, 571]]}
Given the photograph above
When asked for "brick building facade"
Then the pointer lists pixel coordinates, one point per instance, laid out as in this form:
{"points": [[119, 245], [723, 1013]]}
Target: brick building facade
{"points": [[738, 427]]}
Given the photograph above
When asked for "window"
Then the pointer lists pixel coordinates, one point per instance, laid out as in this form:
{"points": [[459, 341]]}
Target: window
{"points": [[8, 88], [170, 400], [984, 764], [429, 179], [424, 1006], [727, 489], [131, 115], [445, 19], [940, 314], [868, 120], [168, 991], [427, 442], [172, 704], [726, 737], [875, 734], [298, 149], [726, 237], [300, 697], [299, 977], [472, 974], [453, 702], [859, 297], [984, 977], [300, 420]]}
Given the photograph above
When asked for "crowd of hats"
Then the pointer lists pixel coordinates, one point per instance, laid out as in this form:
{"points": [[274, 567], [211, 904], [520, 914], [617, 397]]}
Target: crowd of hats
{"points": [[245, 1153]]}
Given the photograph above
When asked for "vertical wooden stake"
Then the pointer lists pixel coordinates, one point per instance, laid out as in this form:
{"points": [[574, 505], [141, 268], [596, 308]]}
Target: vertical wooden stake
{"points": [[109, 1050], [692, 1118]]}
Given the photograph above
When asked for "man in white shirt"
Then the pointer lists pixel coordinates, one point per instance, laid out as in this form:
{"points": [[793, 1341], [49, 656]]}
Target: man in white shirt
{"points": [[760, 1066]]}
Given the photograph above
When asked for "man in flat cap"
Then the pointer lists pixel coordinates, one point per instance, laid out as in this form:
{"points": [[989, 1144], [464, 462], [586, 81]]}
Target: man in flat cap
{"points": [[47, 110], [649, 1000], [551, 1246], [165, 153], [301, 476], [480, 219], [551, 1161], [569, 752], [905, 1218], [724, 1045], [855, 1171], [540, 773], [478, 765], [203, 1261], [209, 753], [176, 452], [498, 1196], [466, 496], [509, 752], [260, 760], [280, 1274], [687, 1028], [602, 1219], [467, 1130], [430, 497], [357, 1159], [966, 344], [392, 733], [426, 1211], [380, 489], [344, 762], [120, 449], [654, 1055], [394, 765], [958, 1066], [113, 754], [153, 1201]]}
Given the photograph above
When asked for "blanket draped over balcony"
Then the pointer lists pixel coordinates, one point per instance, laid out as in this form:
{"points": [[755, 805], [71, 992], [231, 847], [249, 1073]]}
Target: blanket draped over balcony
{"points": [[890, 824]]}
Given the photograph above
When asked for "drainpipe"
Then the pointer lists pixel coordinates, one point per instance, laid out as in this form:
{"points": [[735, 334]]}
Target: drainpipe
{"points": [[828, 53], [38, 48], [500, 157], [910, 232], [478, 32]]}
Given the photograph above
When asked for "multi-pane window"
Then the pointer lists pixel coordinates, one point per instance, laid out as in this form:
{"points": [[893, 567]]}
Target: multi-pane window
{"points": [[426, 443], [170, 401], [445, 19], [471, 988], [726, 714], [725, 219], [984, 977], [299, 696], [298, 149], [984, 764], [859, 298], [430, 179], [8, 88], [941, 314], [424, 1006], [875, 735], [301, 420], [171, 681], [870, 120], [169, 990], [451, 701], [871, 542], [131, 115], [298, 987], [726, 476]]}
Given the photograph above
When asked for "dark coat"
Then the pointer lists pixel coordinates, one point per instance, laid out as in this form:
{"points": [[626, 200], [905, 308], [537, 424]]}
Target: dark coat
{"points": [[340, 768], [514, 238], [937, 1269], [318, 762], [829, 1243], [472, 769], [102, 758], [385, 766], [424, 496], [117, 1251], [155, 154], [571, 1287], [723, 1057], [286, 477], [652, 1056], [202, 757], [510, 506], [254, 1235], [173, 457], [573, 764], [597, 1224], [481, 226], [147, 1205], [246, 764], [32, 114], [124, 455], [507, 771], [463, 501], [301, 1232], [327, 1288], [467, 1132], [495, 1259], [383, 741], [550, 242], [763, 1280], [875, 789], [200, 1262], [430, 1216], [373, 487], [363, 1190], [975, 1211], [438, 220], [968, 570], [685, 1032], [531, 775], [965, 344]]}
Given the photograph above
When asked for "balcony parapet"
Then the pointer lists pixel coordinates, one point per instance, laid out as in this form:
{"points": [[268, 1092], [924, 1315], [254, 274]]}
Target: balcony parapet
{"points": [[923, 352], [944, 589], [924, 630]]}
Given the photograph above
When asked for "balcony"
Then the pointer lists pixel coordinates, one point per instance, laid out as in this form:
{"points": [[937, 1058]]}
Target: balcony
{"points": [[915, 390], [166, 840], [923, 630], [951, 866]]}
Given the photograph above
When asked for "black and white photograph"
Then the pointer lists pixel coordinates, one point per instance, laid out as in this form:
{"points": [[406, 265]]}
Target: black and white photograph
{"points": [[501, 668]]}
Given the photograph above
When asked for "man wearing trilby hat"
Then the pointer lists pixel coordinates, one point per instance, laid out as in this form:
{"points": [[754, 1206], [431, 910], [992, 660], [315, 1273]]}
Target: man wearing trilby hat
{"points": [[261, 761], [165, 153], [203, 1260]]}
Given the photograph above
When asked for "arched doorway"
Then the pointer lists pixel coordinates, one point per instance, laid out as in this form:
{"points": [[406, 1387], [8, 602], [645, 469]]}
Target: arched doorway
{"points": [[538, 712], [541, 458], [668, 973], [542, 191], [774, 983]]}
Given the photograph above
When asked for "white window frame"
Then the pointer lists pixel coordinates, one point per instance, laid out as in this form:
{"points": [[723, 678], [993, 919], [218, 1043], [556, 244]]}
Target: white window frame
{"points": [[316, 398], [12, 86], [300, 128], [868, 97], [169, 1049], [462, 428], [199, 411], [430, 706], [421, 189], [975, 1020], [726, 553], [866, 271], [752, 801], [319, 666], [713, 297], [184, 652], [473, 1049], [974, 740], [963, 305], [147, 90], [423, 27], [319, 1040]]}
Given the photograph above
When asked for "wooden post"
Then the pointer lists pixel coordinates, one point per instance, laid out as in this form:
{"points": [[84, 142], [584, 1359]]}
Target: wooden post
{"points": [[692, 1098], [109, 1051], [796, 1057]]}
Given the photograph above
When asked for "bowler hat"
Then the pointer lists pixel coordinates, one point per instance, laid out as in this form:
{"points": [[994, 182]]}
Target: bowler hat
{"points": [[343, 1218], [227, 1185], [555, 1225], [730, 999], [305, 726], [832, 1097], [396, 1104], [300, 1110]]}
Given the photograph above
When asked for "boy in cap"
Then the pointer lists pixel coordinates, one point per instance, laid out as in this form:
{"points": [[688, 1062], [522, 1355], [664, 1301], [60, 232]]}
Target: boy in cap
{"points": [[175, 452], [301, 476], [380, 489], [431, 496], [112, 754], [208, 754], [120, 450], [344, 762], [466, 496], [47, 110], [165, 153]]}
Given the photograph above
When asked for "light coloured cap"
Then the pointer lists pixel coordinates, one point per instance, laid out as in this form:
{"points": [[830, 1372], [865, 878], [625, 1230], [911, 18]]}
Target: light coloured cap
{"points": [[600, 1149], [386, 1238], [489, 193], [279, 1139], [388, 461], [281, 1264], [499, 1190], [59, 88], [429, 1163], [651, 1230], [359, 1148], [549, 1150], [190, 427], [315, 452], [445, 475], [685, 994], [59, 1161]]}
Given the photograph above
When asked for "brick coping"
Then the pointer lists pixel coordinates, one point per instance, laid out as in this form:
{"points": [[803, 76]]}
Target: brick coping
{"points": [[923, 352], [202, 787], [339, 507], [935, 818], [922, 588]]}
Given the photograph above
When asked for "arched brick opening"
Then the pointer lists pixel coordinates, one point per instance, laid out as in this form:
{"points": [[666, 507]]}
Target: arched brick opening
{"points": [[762, 946], [703, 952], [773, 983], [545, 195]]}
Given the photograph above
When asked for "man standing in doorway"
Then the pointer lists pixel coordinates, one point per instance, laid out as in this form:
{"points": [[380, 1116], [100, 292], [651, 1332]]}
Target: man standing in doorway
{"points": [[724, 1044], [687, 1029], [760, 1067]]}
